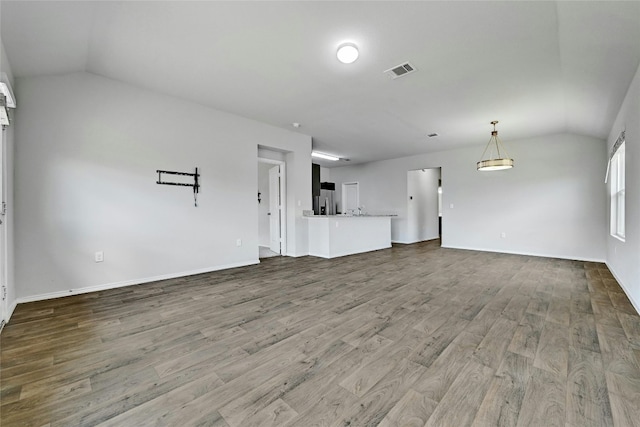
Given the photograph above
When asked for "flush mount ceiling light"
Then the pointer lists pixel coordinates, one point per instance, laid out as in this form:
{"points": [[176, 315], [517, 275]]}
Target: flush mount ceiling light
{"points": [[324, 156], [347, 53], [496, 162]]}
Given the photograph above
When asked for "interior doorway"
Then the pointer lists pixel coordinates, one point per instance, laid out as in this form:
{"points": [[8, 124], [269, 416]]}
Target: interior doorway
{"points": [[350, 198], [423, 204], [271, 208]]}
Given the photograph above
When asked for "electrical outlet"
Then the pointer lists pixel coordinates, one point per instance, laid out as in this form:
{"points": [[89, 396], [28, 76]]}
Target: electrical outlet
{"points": [[99, 256], [503, 235], [239, 242], [450, 205]]}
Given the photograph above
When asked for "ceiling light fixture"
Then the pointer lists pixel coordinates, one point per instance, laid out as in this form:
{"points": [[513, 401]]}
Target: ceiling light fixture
{"points": [[324, 156], [7, 100], [501, 161], [347, 53], [5, 89], [4, 113]]}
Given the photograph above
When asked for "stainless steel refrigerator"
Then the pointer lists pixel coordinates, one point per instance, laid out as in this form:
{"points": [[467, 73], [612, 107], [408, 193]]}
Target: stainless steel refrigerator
{"points": [[325, 203]]}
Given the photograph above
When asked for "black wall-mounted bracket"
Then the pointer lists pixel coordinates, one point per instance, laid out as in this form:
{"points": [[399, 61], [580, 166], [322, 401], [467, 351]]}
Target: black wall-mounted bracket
{"points": [[195, 185]]}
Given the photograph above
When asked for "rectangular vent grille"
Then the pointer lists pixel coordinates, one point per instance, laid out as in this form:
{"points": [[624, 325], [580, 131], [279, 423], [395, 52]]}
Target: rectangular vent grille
{"points": [[400, 70]]}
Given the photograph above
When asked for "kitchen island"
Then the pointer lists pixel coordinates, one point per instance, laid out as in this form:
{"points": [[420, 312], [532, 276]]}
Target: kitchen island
{"points": [[332, 236]]}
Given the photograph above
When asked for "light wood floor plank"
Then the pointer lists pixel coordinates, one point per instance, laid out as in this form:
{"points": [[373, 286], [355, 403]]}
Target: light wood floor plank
{"points": [[587, 398], [374, 405], [582, 332], [502, 402], [553, 350], [544, 401], [491, 349], [631, 325], [617, 352], [625, 411], [459, 405], [527, 336], [413, 410], [435, 382]]}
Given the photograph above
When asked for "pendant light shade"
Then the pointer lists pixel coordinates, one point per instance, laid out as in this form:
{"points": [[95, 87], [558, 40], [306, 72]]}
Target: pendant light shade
{"points": [[494, 157], [495, 164]]}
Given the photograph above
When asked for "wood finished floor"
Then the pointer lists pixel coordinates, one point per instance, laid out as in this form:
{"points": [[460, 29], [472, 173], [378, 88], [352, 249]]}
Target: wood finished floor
{"points": [[415, 335]]}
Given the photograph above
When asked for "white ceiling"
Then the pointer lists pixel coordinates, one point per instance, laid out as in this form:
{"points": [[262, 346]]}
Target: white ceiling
{"points": [[538, 67]]}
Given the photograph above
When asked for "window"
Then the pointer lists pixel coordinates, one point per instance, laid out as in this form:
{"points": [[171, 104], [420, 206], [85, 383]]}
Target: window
{"points": [[617, 193]]}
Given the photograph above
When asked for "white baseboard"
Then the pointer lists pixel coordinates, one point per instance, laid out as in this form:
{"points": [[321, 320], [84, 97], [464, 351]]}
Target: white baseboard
{"points": [[140, 281], [341, 254], [297, 255], [9, 313], [411, 242], [636, 304], [525, 253], [12, 308], [403, 242]]}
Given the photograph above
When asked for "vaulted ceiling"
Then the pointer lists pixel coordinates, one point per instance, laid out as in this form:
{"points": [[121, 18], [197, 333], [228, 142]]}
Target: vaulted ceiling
{"points": [[539, 67]]}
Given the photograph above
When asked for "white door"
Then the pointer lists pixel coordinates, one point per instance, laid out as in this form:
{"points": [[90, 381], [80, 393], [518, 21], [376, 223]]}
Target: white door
{"points": [[274, 209], [422, 208], [350, 197]]}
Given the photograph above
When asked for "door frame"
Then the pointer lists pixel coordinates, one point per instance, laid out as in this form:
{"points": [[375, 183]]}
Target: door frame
{"points": [[283, 201], [344, 195], [439, 202], [4, 248], [275, 242]]}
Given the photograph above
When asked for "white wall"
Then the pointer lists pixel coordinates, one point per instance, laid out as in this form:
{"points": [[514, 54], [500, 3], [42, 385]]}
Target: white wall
{"points": [[267, 153], [9, 221], [299, 198], [325, 175], [85, 181], [264, 235], [422, 205], [550, 204], [623, 258]]}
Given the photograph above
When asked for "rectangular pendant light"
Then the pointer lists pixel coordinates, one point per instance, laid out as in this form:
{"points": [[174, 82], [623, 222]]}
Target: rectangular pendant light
{"points": [[4, 114], [324, 156], [5, 89]]}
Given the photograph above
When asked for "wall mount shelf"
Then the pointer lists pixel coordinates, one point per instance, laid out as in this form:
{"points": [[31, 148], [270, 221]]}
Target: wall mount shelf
{"points": [[195, 185]]}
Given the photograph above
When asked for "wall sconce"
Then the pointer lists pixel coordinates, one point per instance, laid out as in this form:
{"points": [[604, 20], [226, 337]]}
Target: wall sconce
{"points": [[259, 199]]}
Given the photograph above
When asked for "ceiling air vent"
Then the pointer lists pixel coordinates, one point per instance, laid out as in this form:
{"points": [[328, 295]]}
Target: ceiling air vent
{"points": [[400, 70]]}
